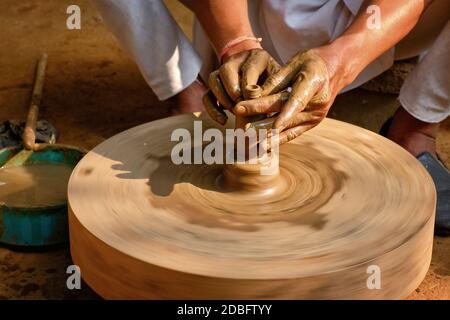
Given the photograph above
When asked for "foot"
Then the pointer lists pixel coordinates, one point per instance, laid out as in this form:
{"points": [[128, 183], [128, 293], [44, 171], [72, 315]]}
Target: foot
{"points": [[419, 138], [412, 134], [189, 100], [441, 178]]}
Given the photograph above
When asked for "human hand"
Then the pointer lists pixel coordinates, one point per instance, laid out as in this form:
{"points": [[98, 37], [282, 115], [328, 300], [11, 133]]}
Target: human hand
{"points": [[231, 82], [301, 109]]}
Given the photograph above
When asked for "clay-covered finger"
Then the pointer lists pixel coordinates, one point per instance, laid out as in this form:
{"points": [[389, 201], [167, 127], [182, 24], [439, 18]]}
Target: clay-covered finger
{"points": [[301, 123], [215, 111], [266, 123], [229, 75], [289, 134], [218, 90], [292, 133], [242, 122], [303, 90], [281, 79], [272, 67], [263, 105], [252, 68]]}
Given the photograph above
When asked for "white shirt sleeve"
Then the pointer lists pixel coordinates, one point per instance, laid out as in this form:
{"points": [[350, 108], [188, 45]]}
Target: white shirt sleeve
{"points": [[147, 31]]}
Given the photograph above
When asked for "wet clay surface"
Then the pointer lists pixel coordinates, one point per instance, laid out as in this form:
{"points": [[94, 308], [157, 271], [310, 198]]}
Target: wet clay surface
{"points": [[34, 185], [93, 91]]}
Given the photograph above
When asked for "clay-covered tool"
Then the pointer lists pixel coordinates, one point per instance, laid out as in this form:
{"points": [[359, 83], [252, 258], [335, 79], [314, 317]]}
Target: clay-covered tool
{"points": [[29, 135]]}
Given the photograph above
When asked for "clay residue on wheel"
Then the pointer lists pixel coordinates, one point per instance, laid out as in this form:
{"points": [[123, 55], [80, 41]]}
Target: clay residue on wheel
{"points": [[306, 182]]}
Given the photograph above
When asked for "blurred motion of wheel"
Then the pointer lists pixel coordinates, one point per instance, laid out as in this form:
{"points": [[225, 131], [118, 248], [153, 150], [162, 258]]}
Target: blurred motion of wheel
{"points": [[347, 201]]}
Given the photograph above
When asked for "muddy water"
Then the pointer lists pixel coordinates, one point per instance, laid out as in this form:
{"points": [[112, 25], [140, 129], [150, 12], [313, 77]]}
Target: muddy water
{"points": [[34, 185]]}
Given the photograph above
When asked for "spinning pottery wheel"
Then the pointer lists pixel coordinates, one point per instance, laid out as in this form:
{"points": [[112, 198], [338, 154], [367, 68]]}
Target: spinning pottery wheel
{"points": [[345, 199]]}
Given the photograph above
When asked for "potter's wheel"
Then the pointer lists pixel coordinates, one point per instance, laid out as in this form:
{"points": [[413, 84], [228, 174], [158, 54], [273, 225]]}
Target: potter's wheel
{"points": [[346, 199]]}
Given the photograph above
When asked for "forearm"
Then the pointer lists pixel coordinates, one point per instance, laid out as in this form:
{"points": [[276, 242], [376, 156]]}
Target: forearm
{"points": [[359, 45], [223, 21]]}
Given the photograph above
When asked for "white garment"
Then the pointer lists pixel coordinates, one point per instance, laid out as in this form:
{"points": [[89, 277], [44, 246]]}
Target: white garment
{"points": [[290, 26], [426, 91], [294, 26], [147, 31], [169, 64]]}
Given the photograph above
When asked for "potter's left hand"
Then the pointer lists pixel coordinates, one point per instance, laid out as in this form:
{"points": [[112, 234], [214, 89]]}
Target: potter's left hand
{"points": [[228, 83], [301, 109]]}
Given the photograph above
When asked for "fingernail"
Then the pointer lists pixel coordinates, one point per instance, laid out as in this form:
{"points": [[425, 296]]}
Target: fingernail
{"points": [[240, 109]]}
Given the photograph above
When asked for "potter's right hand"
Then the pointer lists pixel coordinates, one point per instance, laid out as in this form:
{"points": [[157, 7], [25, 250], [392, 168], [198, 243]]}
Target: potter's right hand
{"points": [[228, 84], [304, 106]]}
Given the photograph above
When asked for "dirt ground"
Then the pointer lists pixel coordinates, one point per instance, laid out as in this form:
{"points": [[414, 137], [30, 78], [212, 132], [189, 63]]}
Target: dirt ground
{"points": [[93, 91]]}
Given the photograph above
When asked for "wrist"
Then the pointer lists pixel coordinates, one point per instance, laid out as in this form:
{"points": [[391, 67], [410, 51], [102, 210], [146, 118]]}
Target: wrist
{"points": [[245, 44], [341, 65]]}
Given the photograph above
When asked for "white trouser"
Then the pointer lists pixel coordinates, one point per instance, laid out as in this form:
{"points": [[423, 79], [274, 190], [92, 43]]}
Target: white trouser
{"points": [[169, 64], [426, 91], [147, 31]]}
